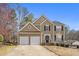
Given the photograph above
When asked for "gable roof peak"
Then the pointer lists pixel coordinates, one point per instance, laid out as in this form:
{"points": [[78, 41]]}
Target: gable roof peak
{"points": [[42, 16], [27, 25]]}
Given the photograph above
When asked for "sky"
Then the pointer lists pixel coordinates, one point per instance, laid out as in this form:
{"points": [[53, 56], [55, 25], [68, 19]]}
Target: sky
{"points": [[62, 12]]}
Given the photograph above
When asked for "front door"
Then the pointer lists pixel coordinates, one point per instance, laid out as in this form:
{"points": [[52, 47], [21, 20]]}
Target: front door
{"points": [[47, 39]]}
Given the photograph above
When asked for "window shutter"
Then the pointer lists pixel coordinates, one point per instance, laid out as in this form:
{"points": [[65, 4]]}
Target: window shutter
{"points": [[54, 28], [62, 28], [49, 27]]}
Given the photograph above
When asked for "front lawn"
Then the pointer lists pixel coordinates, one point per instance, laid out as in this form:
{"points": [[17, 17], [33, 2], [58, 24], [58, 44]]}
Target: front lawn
{"points": [[62, 51], [4, 49]]}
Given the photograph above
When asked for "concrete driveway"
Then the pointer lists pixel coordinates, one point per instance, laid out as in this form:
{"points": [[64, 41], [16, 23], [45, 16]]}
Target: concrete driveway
{"points": [[30, 50]]}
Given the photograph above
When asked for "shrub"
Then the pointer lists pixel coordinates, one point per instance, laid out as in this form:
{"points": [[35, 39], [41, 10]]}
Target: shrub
{"points": [[66, 45], [1, 38], [62, 45], [57, 44], [77, 46], [42, 43], [52, 43]]}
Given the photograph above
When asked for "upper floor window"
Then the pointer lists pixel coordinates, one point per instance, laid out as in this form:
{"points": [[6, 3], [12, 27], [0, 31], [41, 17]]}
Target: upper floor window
{"points": [[58, 28], [46, 28]]}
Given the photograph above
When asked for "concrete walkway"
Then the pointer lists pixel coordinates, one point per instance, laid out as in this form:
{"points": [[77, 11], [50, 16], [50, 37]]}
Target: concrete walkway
{"points": [[30, 50]]}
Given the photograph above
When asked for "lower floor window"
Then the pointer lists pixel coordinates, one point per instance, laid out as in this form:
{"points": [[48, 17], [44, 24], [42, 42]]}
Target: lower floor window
{"points": [[58, 37]]}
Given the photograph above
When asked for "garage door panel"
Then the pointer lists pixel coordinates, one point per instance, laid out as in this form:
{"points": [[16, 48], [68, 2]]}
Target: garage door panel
{"points": [[24, 40], [35, 40]]}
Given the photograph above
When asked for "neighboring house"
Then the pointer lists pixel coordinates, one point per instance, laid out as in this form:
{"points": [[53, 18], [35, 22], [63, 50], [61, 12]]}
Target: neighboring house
{"points": [[41, 31]]}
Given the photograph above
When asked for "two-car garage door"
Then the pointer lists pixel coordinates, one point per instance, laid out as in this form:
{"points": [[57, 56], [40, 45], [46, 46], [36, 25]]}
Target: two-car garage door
{"points": [[32, 40]]}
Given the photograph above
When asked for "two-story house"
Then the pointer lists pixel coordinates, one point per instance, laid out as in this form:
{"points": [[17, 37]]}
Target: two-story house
{"points": [[41, 31]]}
